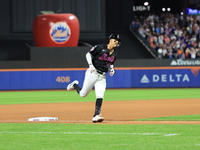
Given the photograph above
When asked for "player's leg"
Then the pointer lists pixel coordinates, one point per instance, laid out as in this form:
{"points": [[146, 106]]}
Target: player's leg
{"points": [[100, 88], [89, 81]]}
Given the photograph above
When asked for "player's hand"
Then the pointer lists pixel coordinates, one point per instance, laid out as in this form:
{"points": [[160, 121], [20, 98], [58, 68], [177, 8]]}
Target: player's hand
{"points": [[92, 68], [112, 72]]}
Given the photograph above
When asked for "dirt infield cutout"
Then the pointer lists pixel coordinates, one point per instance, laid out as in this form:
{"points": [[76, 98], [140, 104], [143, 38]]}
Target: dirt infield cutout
{"points": [[115, 112]]}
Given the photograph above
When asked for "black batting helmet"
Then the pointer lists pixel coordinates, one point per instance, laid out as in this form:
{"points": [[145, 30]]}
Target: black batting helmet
{"points": [[115, 36]]}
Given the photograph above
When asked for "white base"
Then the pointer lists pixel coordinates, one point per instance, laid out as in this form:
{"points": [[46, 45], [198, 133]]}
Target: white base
{"points": [[43, 119]]}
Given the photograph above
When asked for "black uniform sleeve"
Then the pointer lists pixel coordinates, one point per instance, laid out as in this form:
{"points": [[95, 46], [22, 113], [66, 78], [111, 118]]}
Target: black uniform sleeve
{"points": [[94, 50]]}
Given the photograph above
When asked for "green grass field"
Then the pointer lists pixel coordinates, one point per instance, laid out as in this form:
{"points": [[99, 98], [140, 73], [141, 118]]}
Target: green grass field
{"points": [[54, 136], [28, 97], [103, 137]]}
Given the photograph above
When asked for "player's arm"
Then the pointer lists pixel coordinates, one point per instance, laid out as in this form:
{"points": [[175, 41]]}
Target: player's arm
{"points": [[89, 61], [112, 71], [89, 56]]}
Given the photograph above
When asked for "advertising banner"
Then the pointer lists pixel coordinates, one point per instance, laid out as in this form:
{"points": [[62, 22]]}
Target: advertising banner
{"points": [[155, 78], [46, 79], [169, 77], [166, 78]]}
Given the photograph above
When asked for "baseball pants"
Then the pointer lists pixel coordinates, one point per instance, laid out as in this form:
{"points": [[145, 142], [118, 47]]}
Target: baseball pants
{"points": [[95, 80]]}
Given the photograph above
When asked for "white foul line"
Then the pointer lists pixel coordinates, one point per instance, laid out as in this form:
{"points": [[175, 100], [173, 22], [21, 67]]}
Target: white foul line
{"points": [[161, 134]]}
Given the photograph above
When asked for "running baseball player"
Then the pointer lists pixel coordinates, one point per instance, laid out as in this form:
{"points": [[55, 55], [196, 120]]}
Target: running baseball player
{"points": [[100, 59]]}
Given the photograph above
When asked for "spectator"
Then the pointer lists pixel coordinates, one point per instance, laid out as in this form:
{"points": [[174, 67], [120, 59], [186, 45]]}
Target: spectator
{"points": [[187, 53], [164, 50], [180, 54], [136, 24], [142, 32], [198, 44], [192, 53], [157, 29], [177, 36], [167, 39], [160, 52], [198, 34], [198, 54], [169, 53], [151, 42], [173, 37], [161, 39]]}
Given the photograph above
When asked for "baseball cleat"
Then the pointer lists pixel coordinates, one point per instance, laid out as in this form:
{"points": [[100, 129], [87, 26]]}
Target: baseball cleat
{"points": [[97, 118], [71, 85]]}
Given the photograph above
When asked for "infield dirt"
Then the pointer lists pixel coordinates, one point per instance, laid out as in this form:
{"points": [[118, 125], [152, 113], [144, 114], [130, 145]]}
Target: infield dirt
{"points": [[115, 112]]}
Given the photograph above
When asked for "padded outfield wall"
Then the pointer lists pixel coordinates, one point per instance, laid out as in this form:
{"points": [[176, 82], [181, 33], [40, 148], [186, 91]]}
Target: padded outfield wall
{"points": [[54, 68]]}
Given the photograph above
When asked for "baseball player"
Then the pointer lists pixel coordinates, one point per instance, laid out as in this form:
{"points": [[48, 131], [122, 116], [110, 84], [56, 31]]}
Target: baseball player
{"points": [[100, 59]]}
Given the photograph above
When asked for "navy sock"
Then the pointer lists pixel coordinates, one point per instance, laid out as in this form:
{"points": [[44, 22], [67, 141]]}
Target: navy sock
{"points": [[77, 88], [98, 106]]}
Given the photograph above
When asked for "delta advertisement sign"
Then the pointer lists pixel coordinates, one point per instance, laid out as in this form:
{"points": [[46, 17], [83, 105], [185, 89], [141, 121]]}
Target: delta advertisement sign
{"points": [[166, 78], [171, 77], [155, 78]]}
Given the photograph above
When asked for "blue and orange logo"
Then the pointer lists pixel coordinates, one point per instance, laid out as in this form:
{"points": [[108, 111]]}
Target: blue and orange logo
{"points": [[60, 32]]}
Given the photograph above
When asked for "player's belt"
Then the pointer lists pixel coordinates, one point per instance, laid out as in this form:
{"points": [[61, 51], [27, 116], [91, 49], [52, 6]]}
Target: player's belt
{"points": [[101, 72]]}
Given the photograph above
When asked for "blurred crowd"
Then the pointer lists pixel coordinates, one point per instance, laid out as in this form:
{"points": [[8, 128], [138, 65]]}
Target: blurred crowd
{"points": [[170, 35]]}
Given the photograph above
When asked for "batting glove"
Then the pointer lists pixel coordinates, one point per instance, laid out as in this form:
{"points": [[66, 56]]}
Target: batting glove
{"points": [[112, 72], [92, 68]]}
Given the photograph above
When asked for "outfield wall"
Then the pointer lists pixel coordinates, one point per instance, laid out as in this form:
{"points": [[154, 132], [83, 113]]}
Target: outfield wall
{"points": [[54, 68], [154, 77]]}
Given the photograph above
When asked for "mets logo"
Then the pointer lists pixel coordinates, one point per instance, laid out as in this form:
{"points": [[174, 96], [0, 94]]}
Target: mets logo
{"points": [[60, 32]]}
